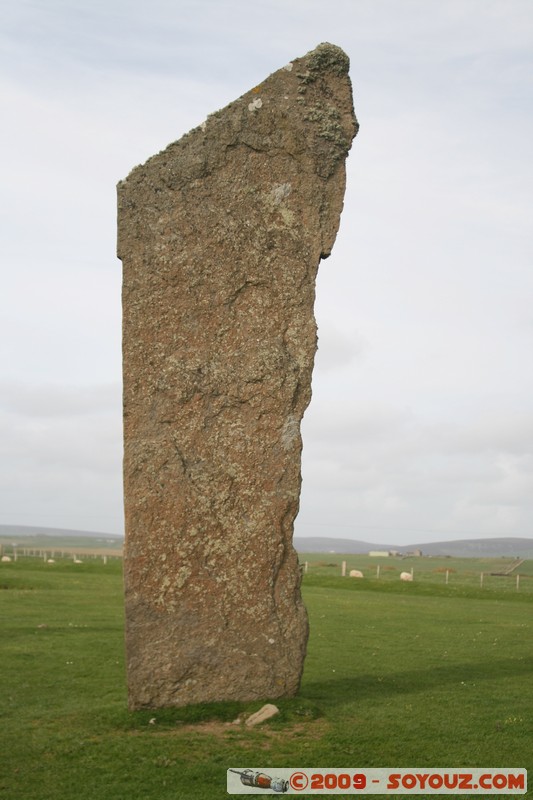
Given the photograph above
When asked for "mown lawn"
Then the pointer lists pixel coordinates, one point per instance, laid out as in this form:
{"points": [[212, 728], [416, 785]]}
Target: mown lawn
{"points": [[397, 675]]}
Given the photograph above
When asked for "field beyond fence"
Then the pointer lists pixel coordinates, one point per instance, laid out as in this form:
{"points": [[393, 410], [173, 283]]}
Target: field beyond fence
{"points": [[59, 548], [453, 573]]}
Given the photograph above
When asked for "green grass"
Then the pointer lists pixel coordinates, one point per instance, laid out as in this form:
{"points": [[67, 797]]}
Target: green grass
{"points": [[397, 675]]}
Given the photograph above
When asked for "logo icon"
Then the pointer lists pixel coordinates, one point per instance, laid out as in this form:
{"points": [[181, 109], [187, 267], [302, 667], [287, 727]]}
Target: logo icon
{"points": [[261, 781]]}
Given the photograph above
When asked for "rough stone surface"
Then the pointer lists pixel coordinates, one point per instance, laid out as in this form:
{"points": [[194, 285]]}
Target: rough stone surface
{"points": [[220, 236]]}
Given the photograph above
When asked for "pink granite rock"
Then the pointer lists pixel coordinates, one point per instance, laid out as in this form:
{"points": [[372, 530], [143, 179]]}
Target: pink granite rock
{"points": [[220, 236]]}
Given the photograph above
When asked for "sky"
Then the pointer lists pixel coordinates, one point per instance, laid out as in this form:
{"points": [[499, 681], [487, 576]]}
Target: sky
{"points": [[421, 424]]}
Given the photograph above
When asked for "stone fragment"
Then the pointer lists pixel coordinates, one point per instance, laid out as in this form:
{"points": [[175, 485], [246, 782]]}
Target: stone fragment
{"points": [[266, 712], [220, 236]]}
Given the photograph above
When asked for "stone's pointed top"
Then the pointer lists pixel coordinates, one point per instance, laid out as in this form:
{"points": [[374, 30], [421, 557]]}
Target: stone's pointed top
{"points": [[328, 57], [312, 92]]}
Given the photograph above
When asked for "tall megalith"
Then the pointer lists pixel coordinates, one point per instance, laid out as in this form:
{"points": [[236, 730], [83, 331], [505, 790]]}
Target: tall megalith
{"points": [[220, 236]]}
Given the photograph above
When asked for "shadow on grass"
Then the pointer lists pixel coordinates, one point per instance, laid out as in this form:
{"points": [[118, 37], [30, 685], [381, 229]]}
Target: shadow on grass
{"points": [[291, 710], [335, 691]]}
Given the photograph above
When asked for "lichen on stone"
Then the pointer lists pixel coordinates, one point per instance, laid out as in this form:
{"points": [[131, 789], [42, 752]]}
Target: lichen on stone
{"points": [[328, 119], [326, 57]]}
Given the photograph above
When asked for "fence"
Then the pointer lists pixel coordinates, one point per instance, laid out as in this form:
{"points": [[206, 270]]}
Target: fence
{"points": [[424, 571]]}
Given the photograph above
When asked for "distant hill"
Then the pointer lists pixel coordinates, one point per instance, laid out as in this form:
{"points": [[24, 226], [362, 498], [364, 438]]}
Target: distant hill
{"points": [[479, 548], [463, 548], [322, 544], [31, 535]]}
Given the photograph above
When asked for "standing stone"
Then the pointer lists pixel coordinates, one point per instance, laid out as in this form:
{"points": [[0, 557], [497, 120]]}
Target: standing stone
{"points": [[220, 236]]}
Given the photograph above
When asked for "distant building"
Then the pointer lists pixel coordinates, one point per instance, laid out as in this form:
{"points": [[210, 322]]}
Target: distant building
{"points": [[379, 553]]}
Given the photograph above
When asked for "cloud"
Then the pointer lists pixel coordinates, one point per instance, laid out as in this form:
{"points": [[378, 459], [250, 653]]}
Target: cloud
{"points": [[371, 468], [507, 431], [60, 457], [44, 401], [420, 417], [336, 348]]}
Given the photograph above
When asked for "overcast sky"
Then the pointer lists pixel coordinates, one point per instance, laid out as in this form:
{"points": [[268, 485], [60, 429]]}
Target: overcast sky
{"points": [[421, 423]]}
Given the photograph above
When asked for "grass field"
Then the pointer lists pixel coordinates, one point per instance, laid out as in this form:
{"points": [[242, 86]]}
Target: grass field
{"points": [[60, 547], [462, 572], [397, 675]]}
